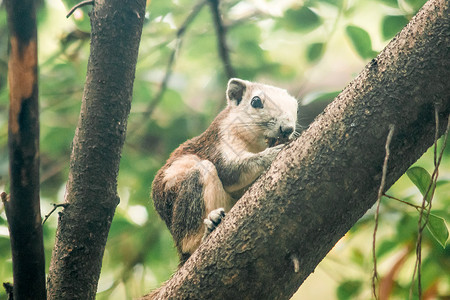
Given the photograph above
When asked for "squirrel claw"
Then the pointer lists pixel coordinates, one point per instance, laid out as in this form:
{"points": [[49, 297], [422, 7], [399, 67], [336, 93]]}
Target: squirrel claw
{"points": [[212, 221]]}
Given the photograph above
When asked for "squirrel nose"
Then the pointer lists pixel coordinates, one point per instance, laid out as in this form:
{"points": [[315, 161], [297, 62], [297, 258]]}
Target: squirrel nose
{"points": [[286, 130]]}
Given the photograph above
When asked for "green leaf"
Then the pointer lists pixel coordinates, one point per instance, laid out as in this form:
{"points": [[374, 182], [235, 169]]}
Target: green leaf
{"points": [[422, 179], [406, 229], [349, 289], [392, 3], [386, 247], [438, 229], [442, 182], [159, 8], [172, 102], [361, 41], [358, 257], [391, 25], [337, 3], [416, 4], [303, 19], [314, 52]]}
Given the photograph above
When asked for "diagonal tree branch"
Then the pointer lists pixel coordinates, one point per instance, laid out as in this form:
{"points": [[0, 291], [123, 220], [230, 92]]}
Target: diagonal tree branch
{"points": [[23, 207], [322, 183], [91, 189]]}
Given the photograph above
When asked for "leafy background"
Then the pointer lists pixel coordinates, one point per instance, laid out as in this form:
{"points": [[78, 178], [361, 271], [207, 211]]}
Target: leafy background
{"points": [[312, 48]]}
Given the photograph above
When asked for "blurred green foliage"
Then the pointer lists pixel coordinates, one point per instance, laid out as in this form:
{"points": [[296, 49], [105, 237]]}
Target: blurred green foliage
{"points": [[313, 48]]}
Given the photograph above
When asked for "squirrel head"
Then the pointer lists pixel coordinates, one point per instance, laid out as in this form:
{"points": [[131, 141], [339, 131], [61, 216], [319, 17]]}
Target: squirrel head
{"points": [[260, 114]]}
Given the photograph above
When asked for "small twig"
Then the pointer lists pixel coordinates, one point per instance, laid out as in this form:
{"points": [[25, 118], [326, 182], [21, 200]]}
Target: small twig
{"points": [[179, 38], [402, 201], [221, 39], [81, 4], [380, 193], [427, 209], [55, 206], [163, 85]]}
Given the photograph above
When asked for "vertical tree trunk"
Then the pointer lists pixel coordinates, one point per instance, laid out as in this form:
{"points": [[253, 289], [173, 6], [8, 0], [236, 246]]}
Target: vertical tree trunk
{"points": [[22, 208], [92, 186]]}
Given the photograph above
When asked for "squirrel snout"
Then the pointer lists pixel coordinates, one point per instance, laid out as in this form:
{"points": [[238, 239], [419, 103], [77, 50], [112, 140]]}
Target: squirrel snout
{"points": [[286, 130]]}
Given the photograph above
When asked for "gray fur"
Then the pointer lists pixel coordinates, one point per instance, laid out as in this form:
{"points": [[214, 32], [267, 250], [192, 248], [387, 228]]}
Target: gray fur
{"points": [[187, 215], [206, 175], [230, 173]]}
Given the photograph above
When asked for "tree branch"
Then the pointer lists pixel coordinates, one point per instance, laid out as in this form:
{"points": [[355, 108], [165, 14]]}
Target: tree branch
{"points": [[425, 208], [81, 4], [163, 85], [179, 39], [322, 183], [55, 206], [221, 39], [23, 207], [91, 189]]}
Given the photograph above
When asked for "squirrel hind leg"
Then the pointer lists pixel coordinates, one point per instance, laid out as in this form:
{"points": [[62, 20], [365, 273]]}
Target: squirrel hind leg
{"points": [[200, 193], [213, 220], [188, 212]]}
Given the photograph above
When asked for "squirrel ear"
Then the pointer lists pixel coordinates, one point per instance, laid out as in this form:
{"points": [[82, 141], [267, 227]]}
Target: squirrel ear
{"points": [[235, 90]]}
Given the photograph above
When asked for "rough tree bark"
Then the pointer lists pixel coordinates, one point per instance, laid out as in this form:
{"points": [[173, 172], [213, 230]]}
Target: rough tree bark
{"points": [[91, 192], [23, 207], [322, 183]]}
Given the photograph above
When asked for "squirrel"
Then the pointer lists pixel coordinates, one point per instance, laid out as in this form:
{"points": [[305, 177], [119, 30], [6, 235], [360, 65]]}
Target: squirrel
{"points": [[205, 176]]}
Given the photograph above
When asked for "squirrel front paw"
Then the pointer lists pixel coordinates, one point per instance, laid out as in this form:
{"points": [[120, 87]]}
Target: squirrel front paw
{"points": [[269, 154], [213, 220]]}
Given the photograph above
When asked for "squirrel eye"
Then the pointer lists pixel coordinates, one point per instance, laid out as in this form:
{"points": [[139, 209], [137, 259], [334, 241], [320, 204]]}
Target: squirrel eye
{"points": [[256, 102]]}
